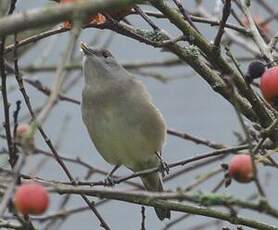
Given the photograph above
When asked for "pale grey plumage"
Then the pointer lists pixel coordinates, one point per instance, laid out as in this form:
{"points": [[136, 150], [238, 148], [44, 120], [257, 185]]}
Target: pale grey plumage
{"points": [[125, 126]]}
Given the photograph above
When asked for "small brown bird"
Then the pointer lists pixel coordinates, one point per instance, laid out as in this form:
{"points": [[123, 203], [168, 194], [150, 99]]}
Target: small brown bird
{"points": [[123, 123]]}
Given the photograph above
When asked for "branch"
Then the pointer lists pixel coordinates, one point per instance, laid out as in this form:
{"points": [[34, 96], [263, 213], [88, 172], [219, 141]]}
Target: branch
{"points": [[185, 15], [265, 51], [212, 22], [6, 124], [56, 14], [156, 200], [196, 140], [225, 14], [219, 152], [215, 58]]}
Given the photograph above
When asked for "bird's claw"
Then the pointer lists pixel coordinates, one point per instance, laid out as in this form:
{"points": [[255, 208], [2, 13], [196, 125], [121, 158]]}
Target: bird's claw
{"points": [[109, 181], [164, 168]]}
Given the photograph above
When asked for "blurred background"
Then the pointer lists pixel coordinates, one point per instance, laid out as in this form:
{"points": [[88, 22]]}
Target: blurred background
{"points": [[187, 102]]}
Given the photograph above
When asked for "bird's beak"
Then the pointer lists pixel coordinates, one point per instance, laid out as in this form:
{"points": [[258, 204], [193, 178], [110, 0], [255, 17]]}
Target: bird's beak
{"points": [[86, 50]]}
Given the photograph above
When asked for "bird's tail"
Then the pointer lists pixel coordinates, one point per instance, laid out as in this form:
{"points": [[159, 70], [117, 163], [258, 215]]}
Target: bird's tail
{"points": [[152, 182]]}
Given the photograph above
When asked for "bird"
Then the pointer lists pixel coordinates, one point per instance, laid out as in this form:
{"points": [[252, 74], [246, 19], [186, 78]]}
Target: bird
{"points": [[121, 119]]}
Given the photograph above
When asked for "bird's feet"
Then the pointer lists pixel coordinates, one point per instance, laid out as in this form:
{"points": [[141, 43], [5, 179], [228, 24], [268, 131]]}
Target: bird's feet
{"points": [[164, 168], [109, 181]]}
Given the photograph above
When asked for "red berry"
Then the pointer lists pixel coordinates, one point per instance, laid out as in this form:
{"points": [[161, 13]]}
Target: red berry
{"points": [[269, 84], [31, 198], [240, 168]]}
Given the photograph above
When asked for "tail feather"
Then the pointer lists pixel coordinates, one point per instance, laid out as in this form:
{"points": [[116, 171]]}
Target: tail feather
{"points": [[152, 182]]}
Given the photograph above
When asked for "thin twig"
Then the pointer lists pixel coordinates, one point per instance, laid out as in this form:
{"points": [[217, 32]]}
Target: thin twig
{"points": [[196, 140], [185, 15], [183, 162], [225, 14], [6, 124], [143, 219], [256, 35], [146, 18], [12, 6], [15, 117]]}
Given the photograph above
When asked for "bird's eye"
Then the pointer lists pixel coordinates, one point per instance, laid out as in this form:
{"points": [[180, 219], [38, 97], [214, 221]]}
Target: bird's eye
{"points": [[106, 54]]}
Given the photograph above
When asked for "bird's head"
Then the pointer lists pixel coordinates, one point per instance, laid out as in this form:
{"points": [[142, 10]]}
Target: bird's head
{"points": [[98, 63]]}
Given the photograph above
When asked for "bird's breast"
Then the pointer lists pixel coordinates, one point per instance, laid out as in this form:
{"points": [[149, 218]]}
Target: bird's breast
{"points": [[121, 131]]}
